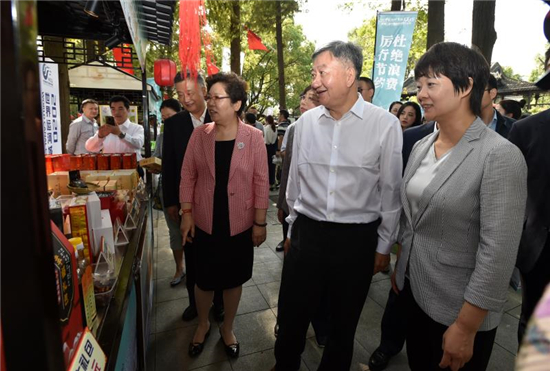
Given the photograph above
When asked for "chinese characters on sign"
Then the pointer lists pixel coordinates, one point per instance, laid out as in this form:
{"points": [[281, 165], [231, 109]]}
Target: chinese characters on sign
{"points": [[49, 94], [393, 42], [89, 356]]}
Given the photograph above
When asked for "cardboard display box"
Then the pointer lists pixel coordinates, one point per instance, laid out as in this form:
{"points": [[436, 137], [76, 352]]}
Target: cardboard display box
{"points": [[152, 163]]}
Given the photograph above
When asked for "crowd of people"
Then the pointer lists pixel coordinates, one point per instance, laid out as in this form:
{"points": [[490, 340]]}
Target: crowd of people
{"points": [[453, 180]]}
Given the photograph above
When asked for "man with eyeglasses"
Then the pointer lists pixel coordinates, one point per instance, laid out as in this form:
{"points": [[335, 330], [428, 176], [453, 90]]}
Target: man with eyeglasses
{"points": [[177, 131], [365, 87]]}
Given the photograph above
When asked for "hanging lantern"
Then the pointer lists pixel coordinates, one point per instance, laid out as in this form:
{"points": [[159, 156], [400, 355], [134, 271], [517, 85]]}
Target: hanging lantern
{"points": [[165, 71]]}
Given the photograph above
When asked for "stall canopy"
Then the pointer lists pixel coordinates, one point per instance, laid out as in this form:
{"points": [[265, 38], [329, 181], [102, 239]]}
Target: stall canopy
{"points": [[98, 75]]}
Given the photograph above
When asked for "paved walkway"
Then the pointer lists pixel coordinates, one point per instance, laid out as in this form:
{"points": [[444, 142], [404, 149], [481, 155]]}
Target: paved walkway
{"points": [[170, 336]]}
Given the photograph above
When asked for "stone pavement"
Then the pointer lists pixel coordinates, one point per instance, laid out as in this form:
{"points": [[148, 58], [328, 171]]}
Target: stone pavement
{"points": [[255, 320]]}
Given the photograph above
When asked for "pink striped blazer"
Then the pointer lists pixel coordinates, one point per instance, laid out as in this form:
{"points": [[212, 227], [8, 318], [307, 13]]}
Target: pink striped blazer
{"points": [[248, 187]]}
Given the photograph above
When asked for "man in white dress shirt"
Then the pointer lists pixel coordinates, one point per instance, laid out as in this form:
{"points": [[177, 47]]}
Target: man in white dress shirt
{"points": [[123, 137], [343, 198]]}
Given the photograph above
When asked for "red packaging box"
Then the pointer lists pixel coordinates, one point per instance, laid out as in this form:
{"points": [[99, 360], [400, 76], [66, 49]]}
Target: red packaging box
{"points": [[89, 162], [106, 199], [76, 163], [118, 210], [61, 162], [49, 164], [104, 162], [116, 161], [128, 160], [68, 294]]}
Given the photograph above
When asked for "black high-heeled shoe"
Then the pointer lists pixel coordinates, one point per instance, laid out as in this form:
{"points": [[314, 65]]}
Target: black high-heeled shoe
{"points": [[196, 348], [232, 350]]}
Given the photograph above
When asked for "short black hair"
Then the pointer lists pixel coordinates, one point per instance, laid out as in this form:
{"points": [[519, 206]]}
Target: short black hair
{"points": [[120, 98], [394, 103], [458, 63], [308, 88], [172, 104], [348, 52], [369, 82], [234, 85], [417, 111], [511, 106], [285, 113], [492, 83], [250, 118], [179, 78]]}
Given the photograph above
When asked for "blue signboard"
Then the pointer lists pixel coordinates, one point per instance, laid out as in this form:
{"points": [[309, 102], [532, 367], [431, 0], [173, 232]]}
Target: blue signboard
{"points": [[394, 32]]}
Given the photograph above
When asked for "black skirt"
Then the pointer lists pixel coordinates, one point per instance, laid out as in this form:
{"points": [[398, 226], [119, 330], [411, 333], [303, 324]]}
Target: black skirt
{"points": [[222, 261]]}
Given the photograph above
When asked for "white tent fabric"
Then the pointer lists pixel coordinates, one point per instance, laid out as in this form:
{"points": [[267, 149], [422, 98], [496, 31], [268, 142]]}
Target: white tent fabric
{"points": [[97, 75]]}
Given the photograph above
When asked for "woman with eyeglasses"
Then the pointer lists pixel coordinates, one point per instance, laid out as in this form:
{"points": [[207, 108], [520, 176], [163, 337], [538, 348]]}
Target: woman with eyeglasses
{"points": [[224, 200]]}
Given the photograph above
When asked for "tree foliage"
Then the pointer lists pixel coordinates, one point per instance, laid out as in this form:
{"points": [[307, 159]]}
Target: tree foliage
{"points": [[364, 36], [539, 69]]}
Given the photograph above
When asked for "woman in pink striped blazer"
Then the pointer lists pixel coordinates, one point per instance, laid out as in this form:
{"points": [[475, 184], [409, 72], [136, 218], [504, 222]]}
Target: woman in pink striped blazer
{"points": [[224, 195]]}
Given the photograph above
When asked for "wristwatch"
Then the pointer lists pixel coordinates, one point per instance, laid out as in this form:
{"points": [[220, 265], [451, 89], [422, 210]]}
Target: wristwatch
{"points": [[122, 135]]}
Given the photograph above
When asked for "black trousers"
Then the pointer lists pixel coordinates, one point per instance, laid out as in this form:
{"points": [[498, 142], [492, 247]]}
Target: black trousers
{"points": [[324, 258], [533, 284], [191, 277], [425, 338], [271, 151], [394, 325]]}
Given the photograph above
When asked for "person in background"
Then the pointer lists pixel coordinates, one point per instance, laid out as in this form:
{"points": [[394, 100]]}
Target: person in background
{"points": [[270, 138], [83, 128], [177, 131], [409, 115], [365, 87], [532, 136], [509, 108], [342, 195], [153, 126], [463, 199], [394, 107], [308, 100], [490, 116], [123, 137], [250, 119], [224, 197]]}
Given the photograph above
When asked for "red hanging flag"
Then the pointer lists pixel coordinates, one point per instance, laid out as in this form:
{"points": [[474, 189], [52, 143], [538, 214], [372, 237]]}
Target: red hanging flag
{"points": [[254, 42]]}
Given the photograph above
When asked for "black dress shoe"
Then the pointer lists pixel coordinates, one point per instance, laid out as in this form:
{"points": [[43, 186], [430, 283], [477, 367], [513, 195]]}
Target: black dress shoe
{"points": [[196, 348], [231, 350], [189, 314], [379, 360], [281, 246], [321, 340], [219, 313]]}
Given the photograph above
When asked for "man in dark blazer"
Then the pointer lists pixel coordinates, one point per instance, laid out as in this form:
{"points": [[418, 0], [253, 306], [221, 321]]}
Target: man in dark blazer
{"points": [[177, 131], [532, 136], [490, 116]]}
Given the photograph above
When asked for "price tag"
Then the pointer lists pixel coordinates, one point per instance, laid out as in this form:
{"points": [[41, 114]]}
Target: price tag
{"points": [[89, 356]]}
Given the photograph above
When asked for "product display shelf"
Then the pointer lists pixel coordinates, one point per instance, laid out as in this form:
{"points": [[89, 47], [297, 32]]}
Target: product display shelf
{"points": [[112, 316]]}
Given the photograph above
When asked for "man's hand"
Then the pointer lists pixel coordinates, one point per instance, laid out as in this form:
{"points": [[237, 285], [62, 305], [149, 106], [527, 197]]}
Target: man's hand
{"points": [[280, 215], [187, 228], [381, 261], [173, 213], [286, 246], [394, 282], [458, 347], [258, 235], [103, 131]]}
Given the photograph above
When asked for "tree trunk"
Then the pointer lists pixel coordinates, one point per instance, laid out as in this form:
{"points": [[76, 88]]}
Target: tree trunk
{"points": [[54, 49], [397, 5], [436, 22], [236, 37], [280, 59], [483, 28]]}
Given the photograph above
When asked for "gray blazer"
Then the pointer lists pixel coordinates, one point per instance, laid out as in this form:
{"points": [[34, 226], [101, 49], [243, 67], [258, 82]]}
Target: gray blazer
{"points": [[463, 241]]}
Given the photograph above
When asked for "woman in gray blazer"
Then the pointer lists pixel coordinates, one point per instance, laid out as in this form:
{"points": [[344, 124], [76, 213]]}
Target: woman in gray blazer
{"points": [[463, 196]]}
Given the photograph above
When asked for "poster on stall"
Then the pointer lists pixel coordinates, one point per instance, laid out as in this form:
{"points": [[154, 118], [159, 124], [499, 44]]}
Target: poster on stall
{"points": [[49, 98], [394, 32], [89, 356]]}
